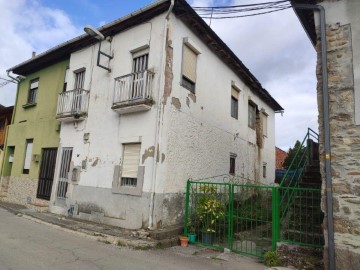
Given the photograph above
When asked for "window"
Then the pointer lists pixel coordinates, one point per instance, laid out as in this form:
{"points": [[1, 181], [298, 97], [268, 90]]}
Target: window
{"points": [[140, 63], [66, 79], [188, 79], [264, 118], [28, 152], [34, 85], [130, 166], [264, 169], [79, 79], [252, 115], [234, 103], [232, 164]]}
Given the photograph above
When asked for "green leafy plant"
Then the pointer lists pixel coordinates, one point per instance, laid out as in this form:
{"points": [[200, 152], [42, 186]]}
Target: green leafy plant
{"points": [[209, 209], [271, 259]]}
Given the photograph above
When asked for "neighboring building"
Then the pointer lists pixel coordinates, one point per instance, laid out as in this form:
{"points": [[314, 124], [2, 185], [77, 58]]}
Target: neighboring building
{"points": [[33, 136], [166, 101], [280, 158], [5, 120], [343, 69]]}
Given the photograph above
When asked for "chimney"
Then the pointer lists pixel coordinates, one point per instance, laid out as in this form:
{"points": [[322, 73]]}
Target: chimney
{"points": [[33, 54]]}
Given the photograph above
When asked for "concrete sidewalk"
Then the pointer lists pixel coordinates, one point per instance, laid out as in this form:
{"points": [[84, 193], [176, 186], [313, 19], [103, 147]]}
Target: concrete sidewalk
{"points": [[141, 239]]}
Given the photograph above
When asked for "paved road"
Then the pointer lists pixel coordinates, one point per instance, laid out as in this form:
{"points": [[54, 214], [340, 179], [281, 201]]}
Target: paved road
{"points": [[25, 244]]}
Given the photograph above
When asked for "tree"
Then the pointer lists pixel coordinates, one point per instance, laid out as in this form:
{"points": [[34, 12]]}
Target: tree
{"points": [[299, 161]]}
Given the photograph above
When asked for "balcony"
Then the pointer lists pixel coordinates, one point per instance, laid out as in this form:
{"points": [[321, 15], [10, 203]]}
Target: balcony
{"points": [[133, 92], [72, 105]]}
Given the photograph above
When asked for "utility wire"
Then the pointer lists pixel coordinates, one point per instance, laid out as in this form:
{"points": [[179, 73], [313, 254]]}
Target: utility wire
{"points": [[239, 11]]}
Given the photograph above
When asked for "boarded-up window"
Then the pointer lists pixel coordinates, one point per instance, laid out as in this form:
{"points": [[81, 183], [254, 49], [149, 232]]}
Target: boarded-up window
{"points": [[131, 159], [28, 152]]}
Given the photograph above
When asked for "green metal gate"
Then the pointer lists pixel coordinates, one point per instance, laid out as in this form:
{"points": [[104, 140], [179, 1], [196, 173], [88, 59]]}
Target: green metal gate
{"points": [[247, 218]]}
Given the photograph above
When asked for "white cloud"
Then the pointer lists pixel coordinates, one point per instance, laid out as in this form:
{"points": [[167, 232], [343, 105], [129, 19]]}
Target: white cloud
{"points": [[277, 51], [27, 26]]}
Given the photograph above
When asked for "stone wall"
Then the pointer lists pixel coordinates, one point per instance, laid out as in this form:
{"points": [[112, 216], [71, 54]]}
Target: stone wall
{"points": [[345, 147], [22, 191]]}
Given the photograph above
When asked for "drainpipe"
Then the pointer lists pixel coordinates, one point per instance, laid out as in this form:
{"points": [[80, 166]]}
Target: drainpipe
{"points": [[325, 92], [157, 132]]}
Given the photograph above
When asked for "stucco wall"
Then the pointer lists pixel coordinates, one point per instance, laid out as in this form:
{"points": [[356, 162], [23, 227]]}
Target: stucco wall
{"points": [[181, 136], [38, 123], [200, 143], [108, 131]]}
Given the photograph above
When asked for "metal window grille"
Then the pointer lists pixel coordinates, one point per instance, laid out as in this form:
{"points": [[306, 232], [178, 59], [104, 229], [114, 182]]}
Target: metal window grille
{"points": [[64, 172], [34, 85], [128, 182]]}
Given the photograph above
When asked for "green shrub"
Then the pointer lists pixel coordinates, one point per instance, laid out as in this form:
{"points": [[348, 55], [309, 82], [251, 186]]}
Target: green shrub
{"points": [[271, 259]]}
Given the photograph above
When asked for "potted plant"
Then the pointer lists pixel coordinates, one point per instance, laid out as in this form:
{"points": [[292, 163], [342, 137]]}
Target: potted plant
{"points": [[183, 241], [209, 211], [191, 232]]}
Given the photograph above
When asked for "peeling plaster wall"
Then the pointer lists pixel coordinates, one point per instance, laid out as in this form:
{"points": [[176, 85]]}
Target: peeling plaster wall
{"points": [[199, 130], [196, 132], [106, 129]]}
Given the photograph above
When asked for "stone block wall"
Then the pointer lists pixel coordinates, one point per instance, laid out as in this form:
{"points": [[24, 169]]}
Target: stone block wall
{"points": [[345, 147], [22, 191]]}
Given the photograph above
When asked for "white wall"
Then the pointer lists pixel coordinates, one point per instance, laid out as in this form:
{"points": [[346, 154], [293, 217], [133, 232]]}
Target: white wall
{"points": [[200, 136], [195, 141]]}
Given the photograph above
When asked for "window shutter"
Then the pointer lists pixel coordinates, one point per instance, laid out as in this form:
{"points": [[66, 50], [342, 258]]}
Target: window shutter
{"points": [[234, 93], [28, 152], [131, 160], [189, 64], [34, 84]]}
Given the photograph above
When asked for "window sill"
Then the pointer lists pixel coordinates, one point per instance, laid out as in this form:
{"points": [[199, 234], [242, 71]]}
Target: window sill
{"points": [[29, 105]]}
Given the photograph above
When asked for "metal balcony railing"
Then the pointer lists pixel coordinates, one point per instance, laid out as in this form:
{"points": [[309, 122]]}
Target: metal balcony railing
{"points": [[73, 103], [133, 87]]}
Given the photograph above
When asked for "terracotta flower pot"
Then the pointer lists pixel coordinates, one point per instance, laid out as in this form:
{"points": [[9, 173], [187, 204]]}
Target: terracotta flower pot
{"points": [[184, 241]]}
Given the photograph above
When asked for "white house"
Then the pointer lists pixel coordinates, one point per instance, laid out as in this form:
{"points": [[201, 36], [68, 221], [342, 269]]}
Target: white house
{"points": [[165, 101]]}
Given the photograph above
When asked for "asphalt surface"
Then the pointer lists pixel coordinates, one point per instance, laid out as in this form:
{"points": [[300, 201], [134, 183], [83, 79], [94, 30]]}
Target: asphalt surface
{"points": [[27, 244]]}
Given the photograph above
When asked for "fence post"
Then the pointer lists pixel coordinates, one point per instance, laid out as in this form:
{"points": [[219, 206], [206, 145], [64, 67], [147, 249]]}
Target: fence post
{"points": [[187, 197], [230, 217], [275, 217]]}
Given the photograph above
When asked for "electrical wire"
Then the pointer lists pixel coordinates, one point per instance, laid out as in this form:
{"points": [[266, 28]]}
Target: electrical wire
{"points": [[239, 11]]}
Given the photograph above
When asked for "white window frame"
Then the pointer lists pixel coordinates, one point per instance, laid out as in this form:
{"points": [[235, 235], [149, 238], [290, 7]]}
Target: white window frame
{"points": [[27, 157]]}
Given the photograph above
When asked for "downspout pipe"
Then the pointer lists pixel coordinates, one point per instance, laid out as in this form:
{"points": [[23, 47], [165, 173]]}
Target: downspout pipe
{"points": [[158, 118], [325, 93]]}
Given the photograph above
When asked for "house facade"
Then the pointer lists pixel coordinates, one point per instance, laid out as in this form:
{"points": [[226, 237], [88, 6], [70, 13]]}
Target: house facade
{"points": [[158, 100], [5, 120], [33, 138], [343, 67]]}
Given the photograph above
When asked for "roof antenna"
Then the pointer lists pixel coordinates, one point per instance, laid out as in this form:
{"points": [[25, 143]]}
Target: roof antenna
{"points": [[212, 10]]}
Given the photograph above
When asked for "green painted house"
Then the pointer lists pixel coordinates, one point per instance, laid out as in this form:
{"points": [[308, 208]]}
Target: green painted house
{"points": [[33, 136]]}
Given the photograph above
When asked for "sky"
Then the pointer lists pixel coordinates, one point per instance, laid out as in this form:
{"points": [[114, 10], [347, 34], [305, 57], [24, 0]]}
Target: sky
{"points": [[274, 47]]}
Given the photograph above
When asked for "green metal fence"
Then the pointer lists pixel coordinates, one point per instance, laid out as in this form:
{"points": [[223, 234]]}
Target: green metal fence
{"points": [[246, 218]]}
